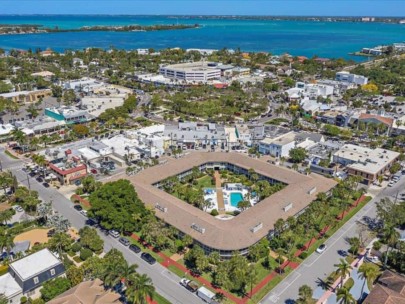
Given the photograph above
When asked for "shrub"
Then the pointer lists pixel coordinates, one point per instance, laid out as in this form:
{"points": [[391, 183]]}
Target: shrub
{"points": [[23, 300], [377, 245], [214, 212], [76, 247], [85, 253], [303, 255]]}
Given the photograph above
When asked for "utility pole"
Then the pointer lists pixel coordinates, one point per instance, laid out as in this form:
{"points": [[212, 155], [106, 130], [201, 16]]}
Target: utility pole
{"points": [[28, 180]]}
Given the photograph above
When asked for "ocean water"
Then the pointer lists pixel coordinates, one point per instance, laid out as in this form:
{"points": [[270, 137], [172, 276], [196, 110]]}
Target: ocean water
{"points": [[324, 39]]}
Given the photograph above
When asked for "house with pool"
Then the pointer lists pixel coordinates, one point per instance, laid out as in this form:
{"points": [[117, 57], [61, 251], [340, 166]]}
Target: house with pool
{"points": [[237, 233]]}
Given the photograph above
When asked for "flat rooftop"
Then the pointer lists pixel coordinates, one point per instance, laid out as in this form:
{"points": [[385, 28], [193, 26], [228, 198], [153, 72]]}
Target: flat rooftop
{"points": [[366, 159], [191, 66], [234, 234], [35, 263]]}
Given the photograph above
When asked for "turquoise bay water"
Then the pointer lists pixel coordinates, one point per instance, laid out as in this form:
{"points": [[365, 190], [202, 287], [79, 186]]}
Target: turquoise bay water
{"points": [[325, 39], [236, 197]]}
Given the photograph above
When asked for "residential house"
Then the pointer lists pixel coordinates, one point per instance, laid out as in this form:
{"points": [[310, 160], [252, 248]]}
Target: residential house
{"points": [[88, 292], [26, 276], [390, 289]]}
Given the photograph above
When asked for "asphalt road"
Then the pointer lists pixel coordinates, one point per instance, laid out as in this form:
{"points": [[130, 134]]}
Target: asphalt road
{"points": [[318, 266], [166, 283]]}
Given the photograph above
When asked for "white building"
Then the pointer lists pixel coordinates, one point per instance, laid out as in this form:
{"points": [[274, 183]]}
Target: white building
{"points": [[191, 72], [352, 78], [279, 146]]}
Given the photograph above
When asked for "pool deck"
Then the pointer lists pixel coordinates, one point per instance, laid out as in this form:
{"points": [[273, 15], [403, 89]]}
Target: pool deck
{"points": [[220, 193]]}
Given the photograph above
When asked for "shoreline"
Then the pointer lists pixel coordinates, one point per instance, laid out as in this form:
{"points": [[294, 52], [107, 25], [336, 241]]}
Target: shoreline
{"points": [[39, 29]]}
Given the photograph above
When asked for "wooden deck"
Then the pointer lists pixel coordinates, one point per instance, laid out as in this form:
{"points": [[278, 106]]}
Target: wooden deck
{"points": [[220, 194]]}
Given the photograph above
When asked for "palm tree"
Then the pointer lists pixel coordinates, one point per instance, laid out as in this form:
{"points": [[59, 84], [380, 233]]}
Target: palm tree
{"points": [[306, 293], [345, 296], [391, 236], [112, 273], [343, 269], [140, 287], [127, 271], [369, 272], [6, 242]]}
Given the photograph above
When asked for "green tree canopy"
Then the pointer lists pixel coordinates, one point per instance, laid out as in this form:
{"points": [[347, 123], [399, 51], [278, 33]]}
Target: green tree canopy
{"points": [[117, 206]]}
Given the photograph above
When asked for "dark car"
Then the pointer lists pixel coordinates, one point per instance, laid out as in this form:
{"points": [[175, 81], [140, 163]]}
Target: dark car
{"points": [[127, 233], [32, 174], [78, 207], [124, 241], [51, 233], [39, 179], [148, 258], [46, 185], [91, 222], [134, 248]]}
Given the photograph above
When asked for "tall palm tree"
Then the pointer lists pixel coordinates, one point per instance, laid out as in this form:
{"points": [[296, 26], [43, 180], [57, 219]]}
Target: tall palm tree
{"points": [[391, 237], [112, 273], [369, 272], [345, 296], [140, 287], [343, 269], [127, 271]]}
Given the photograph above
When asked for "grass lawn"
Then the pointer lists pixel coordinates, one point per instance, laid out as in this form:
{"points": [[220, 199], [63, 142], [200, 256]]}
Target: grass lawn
{"points": [[349, 284], [273, 283], [159, 299], [10, 155], [276, 121], [204, 182]]}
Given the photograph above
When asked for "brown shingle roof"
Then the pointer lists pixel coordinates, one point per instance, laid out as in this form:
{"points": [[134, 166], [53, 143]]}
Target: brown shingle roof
{"points": [[234, 234], [394, 281], [385, 120], [383, 295], [89, 292]]}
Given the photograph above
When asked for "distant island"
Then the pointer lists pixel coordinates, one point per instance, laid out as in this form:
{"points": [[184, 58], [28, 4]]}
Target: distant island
{"points": [[7, 29], [397, 20]]}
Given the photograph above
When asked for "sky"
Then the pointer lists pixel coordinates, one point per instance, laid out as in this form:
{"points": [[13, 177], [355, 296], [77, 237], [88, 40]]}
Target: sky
{"points": [[207, 7]]}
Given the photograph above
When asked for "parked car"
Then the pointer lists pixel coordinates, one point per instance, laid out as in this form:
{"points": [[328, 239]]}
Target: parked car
{"points": [[124, 241], [148, 258], [83, 212], [78, 207], [39, 179], [78, 182], [114, 233], [18, 208], [391, 183], [134, 248], [46, 185], [51, 233], [321, 248], [127, 233]]}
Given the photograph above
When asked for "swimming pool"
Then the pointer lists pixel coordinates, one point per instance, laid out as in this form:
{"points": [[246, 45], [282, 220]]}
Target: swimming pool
{"points": [[236, 197]]}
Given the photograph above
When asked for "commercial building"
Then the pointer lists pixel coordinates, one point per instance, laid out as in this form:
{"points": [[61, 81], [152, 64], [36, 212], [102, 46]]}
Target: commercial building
{"points": [[352, 78], [42, 125], [69, 114], [68, 170], [246, 229], [27, 96], [365, 162], [191, 72], [26, 276], [279, 146], [195, 134]]}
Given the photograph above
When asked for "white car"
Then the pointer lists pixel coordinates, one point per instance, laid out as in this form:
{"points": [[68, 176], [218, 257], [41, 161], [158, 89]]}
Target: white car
{"points": [[321, 248], [84, 212], [390, 184]]}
